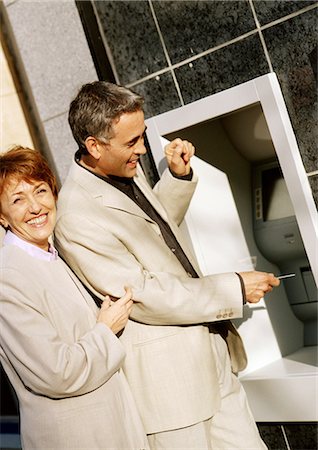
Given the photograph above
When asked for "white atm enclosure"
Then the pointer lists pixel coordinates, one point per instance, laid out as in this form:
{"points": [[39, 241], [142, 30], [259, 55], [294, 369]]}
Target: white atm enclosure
{"points": [[236, 132]]}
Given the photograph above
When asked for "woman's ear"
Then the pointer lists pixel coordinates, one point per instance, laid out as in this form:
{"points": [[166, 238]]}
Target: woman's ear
{"points": [[4, 222], [92, 146]]}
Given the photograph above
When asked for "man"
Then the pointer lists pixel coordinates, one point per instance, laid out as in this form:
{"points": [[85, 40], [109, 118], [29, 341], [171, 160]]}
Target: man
{"points": [[114, 230]]}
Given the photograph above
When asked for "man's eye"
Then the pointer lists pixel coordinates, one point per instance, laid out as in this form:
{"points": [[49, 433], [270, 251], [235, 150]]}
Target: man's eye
{"points": [[41, 191], [16, 200]]}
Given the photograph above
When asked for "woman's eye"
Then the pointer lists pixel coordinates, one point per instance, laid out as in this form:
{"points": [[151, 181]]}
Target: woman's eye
{"points": [[41, 191], [16, 200]]}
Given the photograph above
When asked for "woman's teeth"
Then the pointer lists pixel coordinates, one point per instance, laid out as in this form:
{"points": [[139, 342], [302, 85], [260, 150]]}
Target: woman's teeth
{"points": [[37, 220]]}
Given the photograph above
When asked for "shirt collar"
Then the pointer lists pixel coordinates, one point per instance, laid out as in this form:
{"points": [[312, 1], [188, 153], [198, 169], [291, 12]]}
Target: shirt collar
{"points": [[12, 239]]}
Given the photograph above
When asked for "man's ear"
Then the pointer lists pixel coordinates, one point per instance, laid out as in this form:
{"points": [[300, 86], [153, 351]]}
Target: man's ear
{"points": [[92, 146]]}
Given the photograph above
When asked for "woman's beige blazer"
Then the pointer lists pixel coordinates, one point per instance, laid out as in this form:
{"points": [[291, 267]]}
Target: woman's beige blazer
{"points": [[110, 242], [64, 367]]}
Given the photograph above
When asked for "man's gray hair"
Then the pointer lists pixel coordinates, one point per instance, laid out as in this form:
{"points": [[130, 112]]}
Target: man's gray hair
{"points": [[95, 108]]}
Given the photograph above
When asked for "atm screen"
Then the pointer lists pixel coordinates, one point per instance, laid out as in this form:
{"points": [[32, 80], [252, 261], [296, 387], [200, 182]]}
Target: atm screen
{"points": [[276, 200]]}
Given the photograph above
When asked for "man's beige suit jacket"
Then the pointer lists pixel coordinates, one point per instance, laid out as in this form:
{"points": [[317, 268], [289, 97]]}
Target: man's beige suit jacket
{"points": [[110, 243]]}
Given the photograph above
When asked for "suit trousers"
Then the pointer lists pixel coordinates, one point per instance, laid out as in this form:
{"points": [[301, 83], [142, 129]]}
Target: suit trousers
{"points": [[231, 428]]}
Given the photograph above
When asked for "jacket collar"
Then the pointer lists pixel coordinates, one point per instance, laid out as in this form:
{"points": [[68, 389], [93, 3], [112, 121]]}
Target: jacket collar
{"points": [[113, 197]]}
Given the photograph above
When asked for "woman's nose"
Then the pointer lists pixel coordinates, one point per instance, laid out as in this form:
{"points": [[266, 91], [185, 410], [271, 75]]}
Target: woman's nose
{"points": [[34, 206]]}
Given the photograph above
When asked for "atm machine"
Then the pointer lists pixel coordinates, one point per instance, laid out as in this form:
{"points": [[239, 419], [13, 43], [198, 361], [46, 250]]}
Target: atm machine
{"points": [[278, 237], [253, 209]]}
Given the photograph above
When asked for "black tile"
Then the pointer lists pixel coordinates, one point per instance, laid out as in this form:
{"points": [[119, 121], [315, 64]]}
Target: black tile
{"points": [[9, 427], [302, 436], [8, 398], [222, 69], [269, 10], [191, 27], [272, 435], [313, 181], [132, 37], [292, 46], [159, 93]]}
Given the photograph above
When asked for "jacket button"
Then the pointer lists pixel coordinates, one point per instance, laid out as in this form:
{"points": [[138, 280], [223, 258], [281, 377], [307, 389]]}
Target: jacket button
{"points": [[231, 314], [224, 316], [219, 316]]}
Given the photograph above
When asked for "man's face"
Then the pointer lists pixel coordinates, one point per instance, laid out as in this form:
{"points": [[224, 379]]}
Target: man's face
{"points": [[119, 157]]}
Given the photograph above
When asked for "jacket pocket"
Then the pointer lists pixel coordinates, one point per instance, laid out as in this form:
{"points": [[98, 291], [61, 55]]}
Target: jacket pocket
{"points": [[173, 377]]}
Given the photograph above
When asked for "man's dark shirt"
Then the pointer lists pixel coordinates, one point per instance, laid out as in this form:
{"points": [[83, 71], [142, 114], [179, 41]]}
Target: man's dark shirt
{"points": [[129, 187]]}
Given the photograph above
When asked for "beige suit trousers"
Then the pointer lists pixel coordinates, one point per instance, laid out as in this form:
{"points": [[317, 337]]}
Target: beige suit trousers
{"points": [[231, 428]]}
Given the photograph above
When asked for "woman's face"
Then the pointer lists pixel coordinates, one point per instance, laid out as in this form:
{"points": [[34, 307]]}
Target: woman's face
{"points": [[28, 210]]}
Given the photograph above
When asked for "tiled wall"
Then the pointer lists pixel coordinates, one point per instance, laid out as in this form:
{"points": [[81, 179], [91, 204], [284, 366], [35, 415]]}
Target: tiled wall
{"points": [[175, 52], [289, 436], [48, 46]]}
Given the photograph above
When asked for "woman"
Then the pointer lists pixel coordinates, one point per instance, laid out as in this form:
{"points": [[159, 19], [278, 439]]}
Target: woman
{"points": [[58, 349]]}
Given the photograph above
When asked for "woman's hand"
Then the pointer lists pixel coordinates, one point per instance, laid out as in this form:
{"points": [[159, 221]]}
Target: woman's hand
{"points": [[115, 314]]}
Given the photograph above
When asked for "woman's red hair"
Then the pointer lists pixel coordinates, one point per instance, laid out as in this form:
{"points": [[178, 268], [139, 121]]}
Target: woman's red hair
{"points": [[23, 164]]}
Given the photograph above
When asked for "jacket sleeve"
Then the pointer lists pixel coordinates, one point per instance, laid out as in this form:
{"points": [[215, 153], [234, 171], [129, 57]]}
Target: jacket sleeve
{"points": [[45, 363], [106, 265], [175, 194]]}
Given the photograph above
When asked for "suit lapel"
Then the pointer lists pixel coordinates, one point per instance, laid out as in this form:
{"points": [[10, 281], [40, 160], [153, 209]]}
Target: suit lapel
{"points": [[84, 293], [110, 195]]}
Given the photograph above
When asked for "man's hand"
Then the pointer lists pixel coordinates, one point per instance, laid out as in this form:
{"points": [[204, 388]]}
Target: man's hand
{"points": [[178, 154], [257, 284]]}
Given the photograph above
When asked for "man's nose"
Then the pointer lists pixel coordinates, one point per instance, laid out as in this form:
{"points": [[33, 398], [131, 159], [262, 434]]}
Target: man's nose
{"points": [[140, 148]]}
